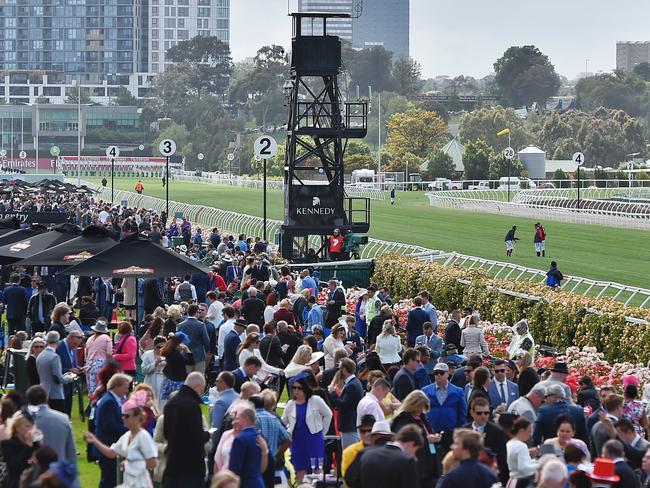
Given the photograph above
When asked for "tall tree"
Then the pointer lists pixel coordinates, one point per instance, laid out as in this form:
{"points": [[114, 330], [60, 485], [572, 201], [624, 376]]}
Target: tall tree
{"points": [[371, 66], [486, 123], [211, 59], [417, 131], [407, 73], [476, 160], [525, 75], [124, 98], [643, 71], [441, 165]]}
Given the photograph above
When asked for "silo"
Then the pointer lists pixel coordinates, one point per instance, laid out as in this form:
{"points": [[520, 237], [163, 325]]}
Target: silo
{"points": [[534, 160]]}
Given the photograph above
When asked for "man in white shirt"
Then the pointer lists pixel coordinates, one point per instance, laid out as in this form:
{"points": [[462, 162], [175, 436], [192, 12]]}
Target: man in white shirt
{"points": [[186, 291], [215, 307], [225, 328], [371, 403], [104, 215]]}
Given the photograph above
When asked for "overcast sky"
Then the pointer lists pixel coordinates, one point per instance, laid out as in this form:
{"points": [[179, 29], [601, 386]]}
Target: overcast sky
{"points": [[466, 37]]}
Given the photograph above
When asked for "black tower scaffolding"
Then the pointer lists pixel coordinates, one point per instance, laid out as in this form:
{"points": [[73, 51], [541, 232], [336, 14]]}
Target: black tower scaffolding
{"points": [[320, 123]]}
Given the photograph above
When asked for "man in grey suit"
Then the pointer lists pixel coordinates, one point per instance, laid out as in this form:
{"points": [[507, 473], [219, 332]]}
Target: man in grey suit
{"points": [[199, 340], [48, 365], [55, 426]]}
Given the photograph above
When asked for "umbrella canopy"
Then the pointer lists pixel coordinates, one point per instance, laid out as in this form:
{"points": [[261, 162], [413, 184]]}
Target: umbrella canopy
{"points": [[135, 256], [9, 223], [20, 234], [25, 248], [92, 241]]}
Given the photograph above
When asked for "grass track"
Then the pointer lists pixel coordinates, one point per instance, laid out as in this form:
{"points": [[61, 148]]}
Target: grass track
{"points": [[592, 251]]}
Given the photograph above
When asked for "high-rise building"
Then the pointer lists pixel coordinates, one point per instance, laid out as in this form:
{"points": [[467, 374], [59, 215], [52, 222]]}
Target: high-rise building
{"points": [[172, 21], [83, 39], [629, 54], [381, 23]]}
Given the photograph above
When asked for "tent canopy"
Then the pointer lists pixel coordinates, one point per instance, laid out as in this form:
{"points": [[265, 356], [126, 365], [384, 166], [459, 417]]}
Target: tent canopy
{"points": [[27, 247]]}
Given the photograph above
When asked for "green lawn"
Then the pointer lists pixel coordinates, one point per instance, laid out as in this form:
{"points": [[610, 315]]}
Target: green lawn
{"points": [[592, 251]]}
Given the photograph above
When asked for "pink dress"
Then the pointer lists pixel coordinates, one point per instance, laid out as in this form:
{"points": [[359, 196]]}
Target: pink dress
{"points": [[633, 411]]}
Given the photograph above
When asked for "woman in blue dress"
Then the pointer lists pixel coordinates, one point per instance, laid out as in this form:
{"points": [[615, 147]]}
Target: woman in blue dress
{"points": [[308, 417]]}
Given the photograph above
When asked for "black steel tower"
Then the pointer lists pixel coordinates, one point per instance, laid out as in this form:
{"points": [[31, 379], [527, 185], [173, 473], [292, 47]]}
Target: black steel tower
{"points": [[320, 123]]}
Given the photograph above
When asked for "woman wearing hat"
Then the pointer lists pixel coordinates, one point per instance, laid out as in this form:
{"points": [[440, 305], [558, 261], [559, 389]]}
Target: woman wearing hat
{"points": [[307, 417], [177, 355], [98, 348], [136, 445]]}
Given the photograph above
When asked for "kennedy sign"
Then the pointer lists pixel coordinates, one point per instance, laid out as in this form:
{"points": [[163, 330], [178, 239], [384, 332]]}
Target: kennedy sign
{"points": [[314, 205], [37, 217]]}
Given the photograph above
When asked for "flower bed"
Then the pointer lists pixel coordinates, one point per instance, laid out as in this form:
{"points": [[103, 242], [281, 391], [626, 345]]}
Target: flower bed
{"points": [[559, 319]]}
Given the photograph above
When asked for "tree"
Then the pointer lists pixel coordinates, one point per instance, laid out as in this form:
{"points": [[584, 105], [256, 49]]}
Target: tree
{"points": [[358, 156], [437, 107], [643, 71], [485, 123], [124, 98], [73, 95], [406, 73], [476, 160], [616, 91], [371, 66], [179, 134], [560, 176], [391, 104], [173, 90], [525, 75], [416, 131], [441, 165], [211, 59], [499, 167]]}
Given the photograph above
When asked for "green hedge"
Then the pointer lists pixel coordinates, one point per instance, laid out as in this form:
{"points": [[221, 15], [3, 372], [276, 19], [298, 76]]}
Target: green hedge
{"points": [[560, 319]]}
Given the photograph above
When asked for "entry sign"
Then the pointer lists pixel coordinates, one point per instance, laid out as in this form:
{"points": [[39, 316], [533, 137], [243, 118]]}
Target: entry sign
{"points": [[112, 152], [266, 147], [22, 155], [578, 158], [167, 147], [509, 153]]}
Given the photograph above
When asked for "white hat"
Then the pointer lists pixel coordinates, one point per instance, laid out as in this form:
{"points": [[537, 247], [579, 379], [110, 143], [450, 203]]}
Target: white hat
{"points": [[382, 427]]}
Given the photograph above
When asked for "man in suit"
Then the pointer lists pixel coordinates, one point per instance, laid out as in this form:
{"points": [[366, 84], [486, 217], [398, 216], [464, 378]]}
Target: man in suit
{"points": [[252, 308], [463, 376], [183, 430], [57, 433], [199, 340], [502, 391], [431, 340], [347, 402], [335, 300], [634, 445], [493, 437], [152, 295], [601, 431], [67, 351], [48, 365], [104, 293], [227, 395], [15, 300], [415, 321], [404, 381], [392, 464], [556, 406], [109, 426], [470, 472], [448, 406], [260, 272], [613, 450], [40, 308], [230, 345], [246, 372], [452, 331], [246, 454]]}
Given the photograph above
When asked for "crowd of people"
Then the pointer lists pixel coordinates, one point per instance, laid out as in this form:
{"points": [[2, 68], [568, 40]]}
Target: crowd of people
{"points": [[253, 376]]}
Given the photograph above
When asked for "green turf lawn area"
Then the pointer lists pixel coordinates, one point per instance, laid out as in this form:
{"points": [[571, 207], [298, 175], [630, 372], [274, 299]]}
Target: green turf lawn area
{"points": [[591, 251]]}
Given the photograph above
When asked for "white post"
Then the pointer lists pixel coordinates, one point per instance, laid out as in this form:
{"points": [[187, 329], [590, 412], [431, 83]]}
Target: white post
{"points": [[22, 132], [35, 125], [79, 131], [379, 146]]}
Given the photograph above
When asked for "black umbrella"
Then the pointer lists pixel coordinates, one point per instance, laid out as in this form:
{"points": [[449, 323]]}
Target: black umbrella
{"points": [[26, 248], [137, 257], [92, 241], [20, 234], [9, 223]]}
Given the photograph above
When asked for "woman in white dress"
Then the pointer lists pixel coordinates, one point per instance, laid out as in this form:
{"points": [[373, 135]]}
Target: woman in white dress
{"points": [[251, 347], [153, 364], [136, 445], [388, 345]]}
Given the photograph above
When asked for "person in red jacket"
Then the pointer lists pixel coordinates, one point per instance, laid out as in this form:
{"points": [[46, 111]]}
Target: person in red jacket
{"points": [[336, 245], [540, 239]]}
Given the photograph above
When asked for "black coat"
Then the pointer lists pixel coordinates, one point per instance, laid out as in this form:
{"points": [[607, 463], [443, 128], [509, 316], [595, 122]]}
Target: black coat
{"points": [[403, 384], [89, 313], [374, 328], [452, 335], [16, 455], [387, 467], [152, 295], [294, 341], [627, 477], [426, 462], [527, 379], [271, 351], [588, 396], [347, 404], [252, 309], [49, 302], [334, 311], [185, 436]]}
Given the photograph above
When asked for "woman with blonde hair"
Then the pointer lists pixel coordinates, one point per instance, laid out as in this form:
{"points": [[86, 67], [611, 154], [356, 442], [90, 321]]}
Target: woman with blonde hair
{"points": [[19, 448], [174, 313], [414, 412], [528, 377], [225, 479], [300, 362], [472, 339], [388, 345], [35, 348], [284, 312]]}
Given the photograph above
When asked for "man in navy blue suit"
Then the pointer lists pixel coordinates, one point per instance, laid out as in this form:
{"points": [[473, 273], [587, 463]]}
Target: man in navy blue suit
{"points": [[557, 406], [109, 426], [347, 402], [67, 351], [230, 345], [16, 302], [502, 392], [415, 322], [246, 455]]}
